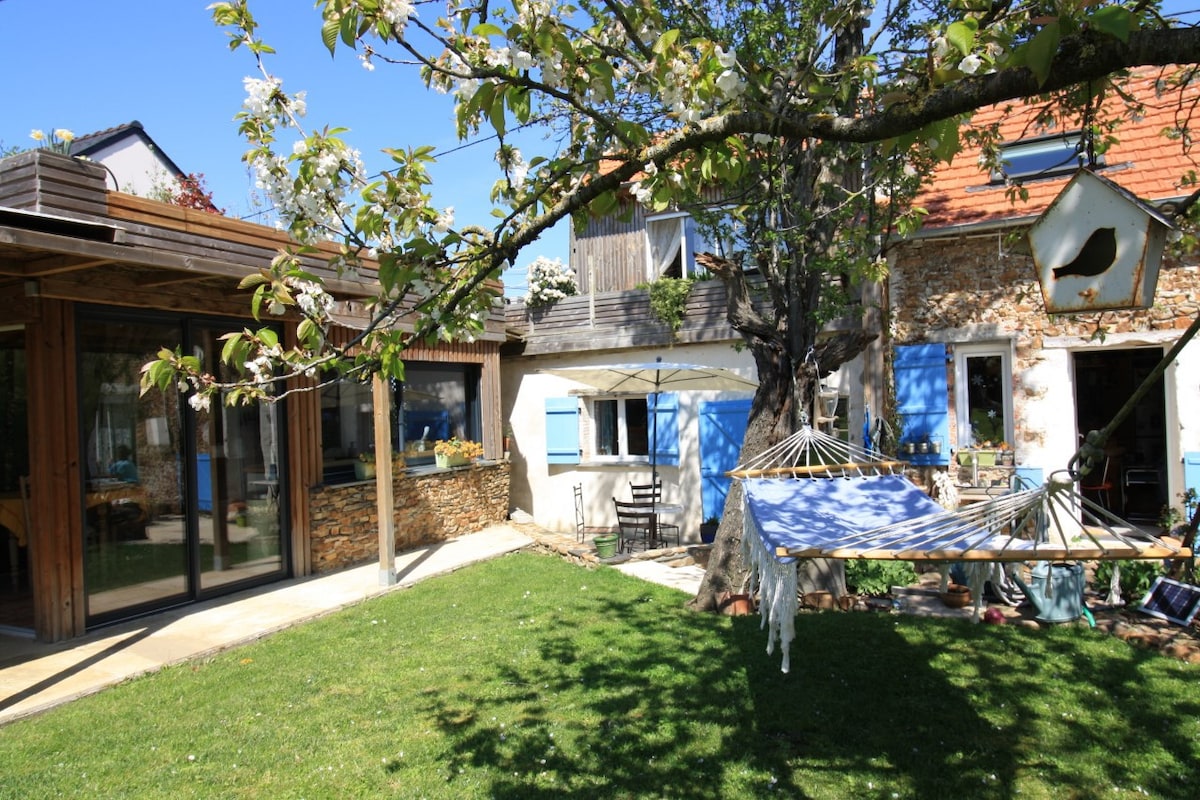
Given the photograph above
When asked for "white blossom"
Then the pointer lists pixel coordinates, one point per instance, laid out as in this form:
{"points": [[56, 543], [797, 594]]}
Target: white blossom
{"points": [[971, 64]]}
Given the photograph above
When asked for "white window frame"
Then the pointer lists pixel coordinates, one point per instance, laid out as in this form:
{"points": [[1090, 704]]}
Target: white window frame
{"points": [[685, 251], [591, 430], [691, 239], [962, 352]]}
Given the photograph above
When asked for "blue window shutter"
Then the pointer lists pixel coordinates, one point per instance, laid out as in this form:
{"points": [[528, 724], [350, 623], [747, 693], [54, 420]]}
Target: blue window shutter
{"points": [[562, 430], [665, 408], [923, 399], [1191, 471]]}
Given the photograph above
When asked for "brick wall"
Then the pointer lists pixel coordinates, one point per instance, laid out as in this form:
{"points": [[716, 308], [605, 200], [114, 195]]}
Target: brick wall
{"points": [[429, 507]]}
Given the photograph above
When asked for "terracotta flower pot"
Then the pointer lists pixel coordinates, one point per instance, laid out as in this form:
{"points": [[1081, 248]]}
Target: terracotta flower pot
{"points": [[957, 596], [737, 605]]}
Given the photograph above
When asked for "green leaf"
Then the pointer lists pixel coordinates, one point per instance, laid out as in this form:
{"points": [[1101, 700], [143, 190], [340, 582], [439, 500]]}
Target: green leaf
{"points": [[961, 35], [233, 347], [349, 28], [329, 34], [496, 112], [665, 42], [1040, 52], [518, 101], [487, 29], [1116, 21]]}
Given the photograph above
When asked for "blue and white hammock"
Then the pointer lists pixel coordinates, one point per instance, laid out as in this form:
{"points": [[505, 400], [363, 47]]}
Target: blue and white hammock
{"points": [[816, 496]]}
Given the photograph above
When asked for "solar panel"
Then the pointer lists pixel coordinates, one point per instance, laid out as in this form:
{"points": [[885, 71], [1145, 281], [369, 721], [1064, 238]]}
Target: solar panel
{"points": [[1172, 600]]}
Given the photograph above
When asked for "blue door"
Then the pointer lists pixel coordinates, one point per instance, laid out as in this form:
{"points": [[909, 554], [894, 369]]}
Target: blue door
{"points": [[722, 429]]}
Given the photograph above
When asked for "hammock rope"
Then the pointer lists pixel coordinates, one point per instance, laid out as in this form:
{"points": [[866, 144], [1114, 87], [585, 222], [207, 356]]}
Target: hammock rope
{"points": [[835, 482]]}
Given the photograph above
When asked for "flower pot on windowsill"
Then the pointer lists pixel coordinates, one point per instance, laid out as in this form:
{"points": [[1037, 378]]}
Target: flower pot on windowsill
{"points": [[446, 462], [364, 470], [986, 458]]}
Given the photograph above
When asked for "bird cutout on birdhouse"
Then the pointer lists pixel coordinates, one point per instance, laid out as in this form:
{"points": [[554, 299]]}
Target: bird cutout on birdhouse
{"points": [[1097, 255], [1097, 248]]}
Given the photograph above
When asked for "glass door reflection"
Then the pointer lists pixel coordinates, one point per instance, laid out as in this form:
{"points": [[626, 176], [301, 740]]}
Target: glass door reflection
{"points": [[237, 480], [136, 550]]}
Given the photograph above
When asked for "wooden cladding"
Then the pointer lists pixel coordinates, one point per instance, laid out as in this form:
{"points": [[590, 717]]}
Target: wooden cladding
{"points": [[619, 319]]}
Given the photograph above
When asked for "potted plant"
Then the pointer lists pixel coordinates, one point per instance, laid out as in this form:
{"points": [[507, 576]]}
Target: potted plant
{"points": [[364, 468], [455, 452], [708, 529], [957, 596]]}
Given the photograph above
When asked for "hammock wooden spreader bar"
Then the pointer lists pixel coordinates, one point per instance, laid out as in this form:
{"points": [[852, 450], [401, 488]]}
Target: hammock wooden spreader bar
{"points": [[1041, 524], [846, 470], [811, 452]]}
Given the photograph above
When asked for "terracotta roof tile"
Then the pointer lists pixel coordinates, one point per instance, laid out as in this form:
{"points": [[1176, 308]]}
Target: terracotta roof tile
{"points": [[1142, 161]]}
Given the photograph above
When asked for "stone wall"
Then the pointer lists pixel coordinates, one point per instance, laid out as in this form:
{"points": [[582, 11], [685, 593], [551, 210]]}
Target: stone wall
{"points": [[430, 506], [984, 287]]}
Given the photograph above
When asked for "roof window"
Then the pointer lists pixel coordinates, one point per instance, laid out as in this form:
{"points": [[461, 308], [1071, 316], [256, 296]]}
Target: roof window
{"points": [[1043, 157]]}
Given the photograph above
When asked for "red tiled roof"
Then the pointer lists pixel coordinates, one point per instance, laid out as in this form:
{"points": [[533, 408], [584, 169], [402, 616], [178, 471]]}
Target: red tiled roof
{"points": [[1142, 161]]}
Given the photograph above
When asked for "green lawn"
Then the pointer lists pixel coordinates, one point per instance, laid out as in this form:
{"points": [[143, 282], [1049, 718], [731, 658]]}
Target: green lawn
{"points": [[528, 677]]}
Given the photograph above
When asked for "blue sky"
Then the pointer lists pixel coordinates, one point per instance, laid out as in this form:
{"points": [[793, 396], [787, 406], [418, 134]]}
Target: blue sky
{"points": [[87, 66]]}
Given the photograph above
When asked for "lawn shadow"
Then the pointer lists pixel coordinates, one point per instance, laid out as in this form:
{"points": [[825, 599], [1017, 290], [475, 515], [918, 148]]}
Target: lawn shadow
{"points": [[665, 702]]}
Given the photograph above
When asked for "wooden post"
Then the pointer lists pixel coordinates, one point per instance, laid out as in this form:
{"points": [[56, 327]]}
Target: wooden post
{"points": [[382, 402]]}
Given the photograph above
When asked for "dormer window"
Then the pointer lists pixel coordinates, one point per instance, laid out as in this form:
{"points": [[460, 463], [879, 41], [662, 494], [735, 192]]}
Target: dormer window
{"points": [[1042, 157]]}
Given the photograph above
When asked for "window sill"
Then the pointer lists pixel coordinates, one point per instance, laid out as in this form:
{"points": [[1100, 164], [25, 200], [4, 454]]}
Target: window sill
{"points": [[631, 461]]}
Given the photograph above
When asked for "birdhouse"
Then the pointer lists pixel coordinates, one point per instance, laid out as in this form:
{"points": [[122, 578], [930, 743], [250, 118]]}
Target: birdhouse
{"points": [[1097, 248]]}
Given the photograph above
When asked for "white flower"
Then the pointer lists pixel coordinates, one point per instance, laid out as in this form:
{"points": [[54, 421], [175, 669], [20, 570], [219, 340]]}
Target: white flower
{"points": [[200, 402], [971, 64], [730, 83]]}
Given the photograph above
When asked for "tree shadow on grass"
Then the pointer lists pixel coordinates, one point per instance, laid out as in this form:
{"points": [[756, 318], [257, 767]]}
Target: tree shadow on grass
{"points": [[650, 699]]}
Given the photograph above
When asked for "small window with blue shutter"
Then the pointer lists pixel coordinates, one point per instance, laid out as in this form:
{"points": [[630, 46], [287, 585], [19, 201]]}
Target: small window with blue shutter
{"points": [[562, 430], [922, 401]]}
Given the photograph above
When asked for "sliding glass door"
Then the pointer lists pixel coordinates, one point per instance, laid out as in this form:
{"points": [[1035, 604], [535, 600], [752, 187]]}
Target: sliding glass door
{"points": [[179, 504]]}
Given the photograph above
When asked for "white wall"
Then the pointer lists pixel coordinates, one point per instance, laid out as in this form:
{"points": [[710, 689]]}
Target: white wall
{"points": [[138, 169], [546, 491]]}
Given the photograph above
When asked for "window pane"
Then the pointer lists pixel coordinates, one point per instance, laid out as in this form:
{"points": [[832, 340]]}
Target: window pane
{"points": [[135, 535], [347, 428], [607, 441], [985, 398], [666, 245], [637, 426], [237, 478], [437, 402], [1042, 157]]}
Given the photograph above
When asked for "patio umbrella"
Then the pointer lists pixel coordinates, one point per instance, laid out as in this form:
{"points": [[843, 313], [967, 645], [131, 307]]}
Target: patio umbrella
{"points": [[654, 377]]}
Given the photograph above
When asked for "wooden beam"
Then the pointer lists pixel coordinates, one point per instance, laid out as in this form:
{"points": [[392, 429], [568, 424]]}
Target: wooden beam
{"points": [[381, 392], [1040, 553]]}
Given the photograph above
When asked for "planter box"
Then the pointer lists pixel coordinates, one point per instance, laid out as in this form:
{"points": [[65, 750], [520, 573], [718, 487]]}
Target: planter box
{"points": [[445, 462], [987, 458]]}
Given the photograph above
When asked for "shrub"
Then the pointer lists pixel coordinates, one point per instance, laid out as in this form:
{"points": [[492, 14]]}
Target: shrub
{"points": [[877, 578], [1136, 577], [549, 281]]}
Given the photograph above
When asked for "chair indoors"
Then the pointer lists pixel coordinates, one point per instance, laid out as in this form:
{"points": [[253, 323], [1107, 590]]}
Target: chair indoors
{"points": [[1099, 485], [582, 529]]}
